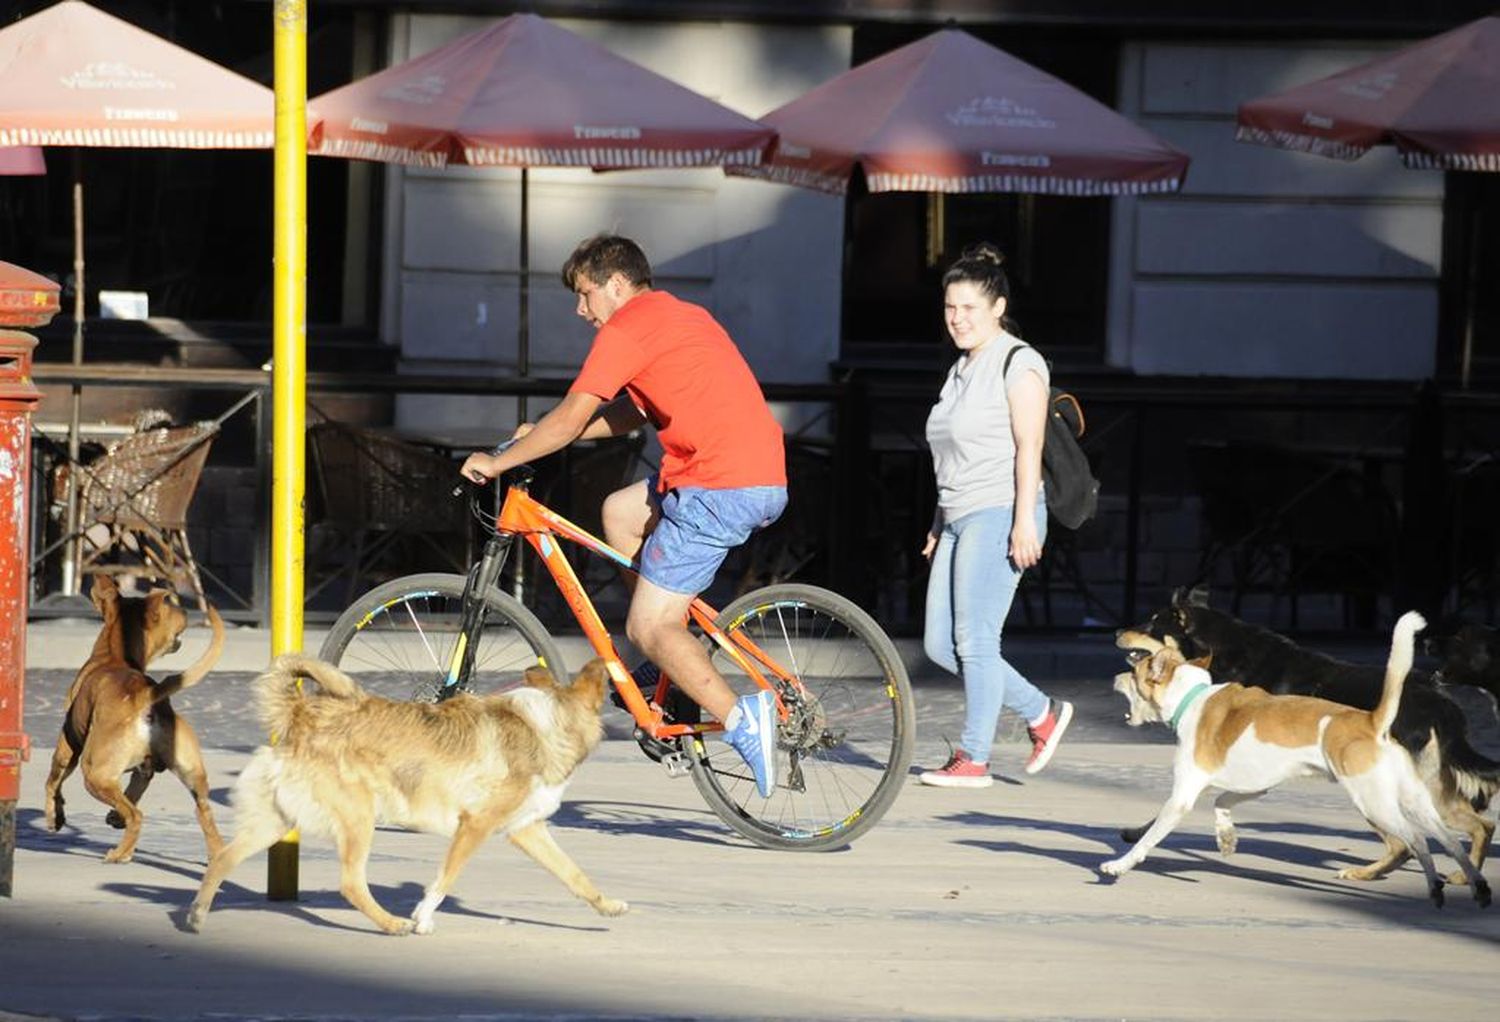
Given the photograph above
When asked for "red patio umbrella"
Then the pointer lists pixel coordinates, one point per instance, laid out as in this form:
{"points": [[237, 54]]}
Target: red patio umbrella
{"points": [[949, 113], [1437, 102], [72, 75], [523, 92]]}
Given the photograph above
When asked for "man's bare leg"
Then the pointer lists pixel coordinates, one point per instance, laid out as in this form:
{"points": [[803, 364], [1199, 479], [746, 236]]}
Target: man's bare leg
{"points": [[657, 625], [629, 516]]}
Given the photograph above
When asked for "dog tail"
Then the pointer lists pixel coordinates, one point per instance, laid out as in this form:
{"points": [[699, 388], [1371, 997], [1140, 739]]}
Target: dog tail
{"points": [[174, 683], [1397, 667], [278, 691]]}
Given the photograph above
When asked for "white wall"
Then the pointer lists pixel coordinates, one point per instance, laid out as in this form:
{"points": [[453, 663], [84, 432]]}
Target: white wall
{"points": [[1268, 263], [764, 258]]}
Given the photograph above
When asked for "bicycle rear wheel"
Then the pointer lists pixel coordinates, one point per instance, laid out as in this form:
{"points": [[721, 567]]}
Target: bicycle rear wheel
{"points": [[843, 753], [398, 639]]}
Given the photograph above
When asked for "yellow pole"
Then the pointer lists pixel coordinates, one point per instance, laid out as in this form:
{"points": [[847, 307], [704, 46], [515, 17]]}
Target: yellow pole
{"points": [[289, 367]]}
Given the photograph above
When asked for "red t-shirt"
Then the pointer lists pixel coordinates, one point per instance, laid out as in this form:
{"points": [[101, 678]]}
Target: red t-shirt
{"points": [[682, 370]]}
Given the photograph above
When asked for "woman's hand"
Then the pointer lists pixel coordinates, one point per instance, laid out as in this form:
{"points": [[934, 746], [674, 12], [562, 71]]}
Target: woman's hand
{"points": [[1025, 547], [929, 546]]}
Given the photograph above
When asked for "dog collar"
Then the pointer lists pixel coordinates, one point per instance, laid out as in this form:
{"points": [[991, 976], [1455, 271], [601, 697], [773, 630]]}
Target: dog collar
{"points": [[1187, 700]]}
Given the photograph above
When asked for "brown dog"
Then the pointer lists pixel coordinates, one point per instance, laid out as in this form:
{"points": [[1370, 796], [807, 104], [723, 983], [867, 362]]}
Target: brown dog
{"points": [[118, 720], [345, 760]]}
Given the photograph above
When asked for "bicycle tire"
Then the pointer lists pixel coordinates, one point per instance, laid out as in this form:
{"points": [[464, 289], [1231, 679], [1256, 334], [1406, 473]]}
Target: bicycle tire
{"points": [[398, 638], [843, 754]]}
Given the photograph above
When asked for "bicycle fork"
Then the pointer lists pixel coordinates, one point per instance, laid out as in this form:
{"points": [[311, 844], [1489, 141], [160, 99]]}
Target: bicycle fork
{"points": [[475, 607]]}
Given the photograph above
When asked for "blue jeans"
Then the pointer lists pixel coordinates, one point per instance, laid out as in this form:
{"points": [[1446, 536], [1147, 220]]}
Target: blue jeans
{"points": [[969, 594]]}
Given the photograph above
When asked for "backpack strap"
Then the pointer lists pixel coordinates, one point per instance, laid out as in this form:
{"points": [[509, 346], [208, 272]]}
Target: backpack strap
{"points": [[1010, 355]]}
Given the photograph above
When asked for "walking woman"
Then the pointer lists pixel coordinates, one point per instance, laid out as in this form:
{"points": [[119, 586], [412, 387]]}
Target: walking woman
{"points": [[986, 435]]}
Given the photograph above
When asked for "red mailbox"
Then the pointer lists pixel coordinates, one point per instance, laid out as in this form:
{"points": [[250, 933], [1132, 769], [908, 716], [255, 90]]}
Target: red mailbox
{"points": [[26, 299]]}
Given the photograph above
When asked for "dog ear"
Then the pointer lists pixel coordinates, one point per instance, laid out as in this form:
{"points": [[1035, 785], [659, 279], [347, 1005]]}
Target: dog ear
{"points": [[592, 681], [538, 677], [103, 591], [1203, 661], [1198, 596], [1163, 663]]}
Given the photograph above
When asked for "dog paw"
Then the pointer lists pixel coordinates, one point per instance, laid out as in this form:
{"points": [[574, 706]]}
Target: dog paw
{"points": [[1114, 868], [119, 855], [1482, 893], [54, 821], [1228, 841], [400, 927], [1354, 873], [611, 907], [1436, 893], [192, 919]]}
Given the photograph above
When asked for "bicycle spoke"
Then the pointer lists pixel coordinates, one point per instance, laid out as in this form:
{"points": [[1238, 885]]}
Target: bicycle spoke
{"points": [[401, 637], [845, 742]]}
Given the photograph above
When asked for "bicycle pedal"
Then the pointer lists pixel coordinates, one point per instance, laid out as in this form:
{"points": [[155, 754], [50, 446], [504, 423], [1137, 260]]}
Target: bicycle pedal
{"points": [[654, 748], [677, 763]]}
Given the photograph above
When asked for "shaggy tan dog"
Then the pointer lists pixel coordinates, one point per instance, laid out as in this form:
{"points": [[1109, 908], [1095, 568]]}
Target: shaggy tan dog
{"points": [[346, 760], [118, 720]]}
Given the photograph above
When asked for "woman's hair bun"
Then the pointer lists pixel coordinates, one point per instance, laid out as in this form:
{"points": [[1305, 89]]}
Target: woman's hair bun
{"points": [[984, 252]]}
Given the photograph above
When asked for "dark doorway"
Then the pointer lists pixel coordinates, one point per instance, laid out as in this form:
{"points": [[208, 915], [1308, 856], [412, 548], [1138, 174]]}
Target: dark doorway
{"points": [[1470, 345], [1057, 248]]}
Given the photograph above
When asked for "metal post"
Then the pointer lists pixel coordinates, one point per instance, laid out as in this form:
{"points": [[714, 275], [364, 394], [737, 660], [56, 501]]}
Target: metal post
{"points": [[289, 368], [71, 542], [26, 299]]}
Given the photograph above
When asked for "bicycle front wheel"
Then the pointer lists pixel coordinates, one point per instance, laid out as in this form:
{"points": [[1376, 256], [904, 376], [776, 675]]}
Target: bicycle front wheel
{"points": [[843, 752], [399, 639]]}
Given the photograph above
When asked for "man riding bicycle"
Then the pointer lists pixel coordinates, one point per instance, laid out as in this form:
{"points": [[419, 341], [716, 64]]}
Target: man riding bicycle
{"points": [[661, 360]]}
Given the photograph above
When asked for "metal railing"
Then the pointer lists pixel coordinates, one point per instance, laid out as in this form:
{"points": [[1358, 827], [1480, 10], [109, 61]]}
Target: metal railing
{"points": [[861, 480]]}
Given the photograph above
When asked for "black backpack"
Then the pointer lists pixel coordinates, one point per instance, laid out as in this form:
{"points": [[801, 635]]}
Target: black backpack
{"points": [[1072, 490]]}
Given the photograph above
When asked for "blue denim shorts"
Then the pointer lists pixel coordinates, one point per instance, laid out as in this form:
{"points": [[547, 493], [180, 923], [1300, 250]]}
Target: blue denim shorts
{"points": [[699, 527]]}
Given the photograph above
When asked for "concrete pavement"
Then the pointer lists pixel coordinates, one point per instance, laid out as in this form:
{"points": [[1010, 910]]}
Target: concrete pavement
{"points": [[960, 904]]}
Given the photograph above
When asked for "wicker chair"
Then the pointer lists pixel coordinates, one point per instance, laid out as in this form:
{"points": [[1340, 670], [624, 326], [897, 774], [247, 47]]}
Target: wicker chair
{"points": [[374, 490], [133, 504]]}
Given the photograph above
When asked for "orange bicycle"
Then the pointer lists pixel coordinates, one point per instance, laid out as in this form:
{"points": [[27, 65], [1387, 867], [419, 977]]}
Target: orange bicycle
{"points": [[846, 719]]}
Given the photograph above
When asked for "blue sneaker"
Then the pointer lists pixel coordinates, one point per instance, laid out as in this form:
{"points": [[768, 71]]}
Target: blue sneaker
{"points": [[754, 738]]}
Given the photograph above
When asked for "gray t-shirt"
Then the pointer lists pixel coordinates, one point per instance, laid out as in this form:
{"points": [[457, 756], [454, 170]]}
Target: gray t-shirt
{"points": [[973, 449]]}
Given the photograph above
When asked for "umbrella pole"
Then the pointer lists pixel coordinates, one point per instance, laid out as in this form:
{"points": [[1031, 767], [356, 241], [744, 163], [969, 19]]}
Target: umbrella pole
{"points": [[523, 329], [72, 545], [1471, 299], [523, 344]]}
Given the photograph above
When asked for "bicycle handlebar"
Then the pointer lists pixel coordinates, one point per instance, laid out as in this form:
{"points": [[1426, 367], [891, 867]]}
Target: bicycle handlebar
{"points": [[469, 485]]}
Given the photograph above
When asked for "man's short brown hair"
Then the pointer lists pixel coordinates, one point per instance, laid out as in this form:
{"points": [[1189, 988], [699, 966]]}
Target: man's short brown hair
{"points": [[602, 256]]}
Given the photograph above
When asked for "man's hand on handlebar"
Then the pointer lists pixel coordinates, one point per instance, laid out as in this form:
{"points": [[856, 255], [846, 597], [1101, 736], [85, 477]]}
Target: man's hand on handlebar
{"points": [[482, 466]]}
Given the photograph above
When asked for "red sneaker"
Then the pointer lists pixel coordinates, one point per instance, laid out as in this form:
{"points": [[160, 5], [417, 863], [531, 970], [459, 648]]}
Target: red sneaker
{"points": [[959, 772], [1046, 735]]}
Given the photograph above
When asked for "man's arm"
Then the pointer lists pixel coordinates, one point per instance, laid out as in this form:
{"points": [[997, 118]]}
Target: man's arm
{"points": [[614, 418], [554, 431]]}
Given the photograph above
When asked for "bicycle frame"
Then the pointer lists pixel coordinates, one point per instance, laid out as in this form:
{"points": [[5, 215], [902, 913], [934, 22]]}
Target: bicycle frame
{"points": [[524, 515]]}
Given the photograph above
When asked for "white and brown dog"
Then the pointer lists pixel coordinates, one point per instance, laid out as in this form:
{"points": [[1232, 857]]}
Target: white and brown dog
{"points": [[1246, 741], [346, 759]]}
